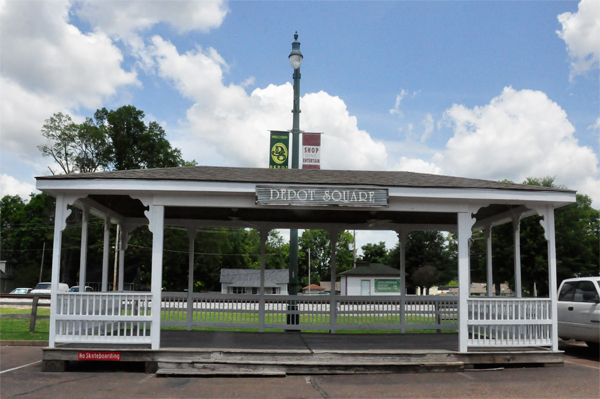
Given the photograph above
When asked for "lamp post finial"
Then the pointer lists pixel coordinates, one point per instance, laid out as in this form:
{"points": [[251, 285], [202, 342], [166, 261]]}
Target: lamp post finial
{"points": [[296, 36]]}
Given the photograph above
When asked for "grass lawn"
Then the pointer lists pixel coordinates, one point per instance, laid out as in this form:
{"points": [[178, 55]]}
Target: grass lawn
{"points": [[18, 329]]}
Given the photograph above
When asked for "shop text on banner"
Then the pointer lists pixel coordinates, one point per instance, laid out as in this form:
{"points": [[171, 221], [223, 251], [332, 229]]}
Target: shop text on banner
{"points": [[311, 150], [279, 150]]}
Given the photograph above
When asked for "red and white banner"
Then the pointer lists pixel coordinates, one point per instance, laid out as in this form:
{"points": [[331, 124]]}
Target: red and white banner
{"points": [[311, 150]]}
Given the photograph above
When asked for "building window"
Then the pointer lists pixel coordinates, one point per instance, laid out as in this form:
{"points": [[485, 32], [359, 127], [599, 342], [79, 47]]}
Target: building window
{"points": [[238, 290]]}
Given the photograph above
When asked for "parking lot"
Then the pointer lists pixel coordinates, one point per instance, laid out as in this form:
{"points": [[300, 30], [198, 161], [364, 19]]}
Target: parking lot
{"points": [[21, 377]]}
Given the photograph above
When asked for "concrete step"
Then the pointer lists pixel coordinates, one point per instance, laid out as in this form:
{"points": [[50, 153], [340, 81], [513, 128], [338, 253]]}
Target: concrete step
{"points": [[217, 369], [264, 369]]}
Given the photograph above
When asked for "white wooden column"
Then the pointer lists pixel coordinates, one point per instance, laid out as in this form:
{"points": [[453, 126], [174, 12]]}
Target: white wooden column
{"points": [[124, 240], [60, 222], [156, 216], [105, 254], [517, 245], [333, 239], [85, 218], [490, 280], [402, 236], [465, 222], [190, 297], [264, 235], [547, 213]]}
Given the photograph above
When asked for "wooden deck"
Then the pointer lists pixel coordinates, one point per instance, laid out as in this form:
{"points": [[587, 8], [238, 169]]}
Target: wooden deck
{"points": [[280, 353]]}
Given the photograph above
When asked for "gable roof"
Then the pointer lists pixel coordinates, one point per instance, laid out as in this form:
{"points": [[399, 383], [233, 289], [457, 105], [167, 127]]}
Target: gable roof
{"points": [[372, 269], [251, 277], [300, 176]]}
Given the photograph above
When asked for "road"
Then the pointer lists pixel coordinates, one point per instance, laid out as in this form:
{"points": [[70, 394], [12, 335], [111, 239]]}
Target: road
{"points": [[579, 378]]}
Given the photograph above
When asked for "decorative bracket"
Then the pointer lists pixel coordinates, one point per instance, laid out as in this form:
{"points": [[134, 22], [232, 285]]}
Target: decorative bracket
{"points": [[544, 211], [63, 213], [402, 236], [126, 230]]}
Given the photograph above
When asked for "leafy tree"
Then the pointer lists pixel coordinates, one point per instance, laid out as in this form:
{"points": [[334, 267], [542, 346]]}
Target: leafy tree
{"points": [[61, 134], [112, 140], [135, 145], [375, 253], [427, 248], [320, 255], [25, 227]]}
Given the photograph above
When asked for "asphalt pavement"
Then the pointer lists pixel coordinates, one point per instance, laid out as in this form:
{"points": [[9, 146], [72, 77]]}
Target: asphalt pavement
{"points": [[21, 377]]}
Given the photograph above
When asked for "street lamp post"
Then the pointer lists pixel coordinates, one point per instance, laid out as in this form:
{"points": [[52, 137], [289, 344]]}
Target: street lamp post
{"points": [[295, 58]]}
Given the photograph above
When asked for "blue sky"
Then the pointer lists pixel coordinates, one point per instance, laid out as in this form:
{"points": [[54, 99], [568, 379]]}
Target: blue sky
{"points": [[492, 90]]}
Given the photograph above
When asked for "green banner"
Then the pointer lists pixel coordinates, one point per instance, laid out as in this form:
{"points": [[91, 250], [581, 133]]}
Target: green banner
{"points": [[387, 285], [279, 150]]}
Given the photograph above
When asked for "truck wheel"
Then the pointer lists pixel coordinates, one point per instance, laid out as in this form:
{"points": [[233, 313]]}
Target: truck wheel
{"points": [[593, 346]]}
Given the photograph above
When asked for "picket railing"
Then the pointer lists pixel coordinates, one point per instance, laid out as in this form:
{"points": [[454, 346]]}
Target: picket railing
{"points": [[307, 312], [509, 322], [103, 318]]}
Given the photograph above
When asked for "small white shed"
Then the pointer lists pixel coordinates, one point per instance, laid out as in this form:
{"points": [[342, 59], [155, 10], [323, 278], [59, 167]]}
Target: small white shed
{"points": [[371, 279], [247, 281]]}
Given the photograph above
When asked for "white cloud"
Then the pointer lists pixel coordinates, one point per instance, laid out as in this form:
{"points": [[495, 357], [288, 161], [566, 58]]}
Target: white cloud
{"points": [[429, 125], [124, 18], [406, 164], [581, 33], [11, 186], [517, 135], [235, 125], [52, 67], [399, 97]]}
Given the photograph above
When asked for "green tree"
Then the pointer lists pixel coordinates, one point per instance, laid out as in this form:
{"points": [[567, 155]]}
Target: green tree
{"points": [[375, 253], [427, 248], [61, 134], [25, 227], [320, 255], [133, 144]]}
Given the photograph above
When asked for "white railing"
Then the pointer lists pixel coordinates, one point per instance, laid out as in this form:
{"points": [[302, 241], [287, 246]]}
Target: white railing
{"points": [[103, 318], [210, 310], [307, 312], [509, 322]]}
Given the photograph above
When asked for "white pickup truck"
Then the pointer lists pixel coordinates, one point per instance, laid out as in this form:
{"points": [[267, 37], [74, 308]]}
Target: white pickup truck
{"points": [[579, 310]]}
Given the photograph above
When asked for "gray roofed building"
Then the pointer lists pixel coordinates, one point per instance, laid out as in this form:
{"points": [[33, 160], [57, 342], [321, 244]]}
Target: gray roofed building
{"points": [[372, 269], [370, 279], [247, 281]]}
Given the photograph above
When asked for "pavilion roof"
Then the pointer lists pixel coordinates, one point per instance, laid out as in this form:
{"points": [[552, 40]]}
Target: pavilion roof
{"points": [[300, 176]]}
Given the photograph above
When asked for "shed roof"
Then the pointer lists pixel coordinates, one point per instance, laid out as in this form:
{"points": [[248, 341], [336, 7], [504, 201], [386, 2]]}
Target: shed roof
{"points": [[300, 176], [372, 269], [251, 277]]}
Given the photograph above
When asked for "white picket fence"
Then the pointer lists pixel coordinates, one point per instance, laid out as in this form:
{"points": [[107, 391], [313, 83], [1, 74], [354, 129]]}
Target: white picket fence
{"points": [[126, 318], [103, 318], [304, 312], [509, 322]]}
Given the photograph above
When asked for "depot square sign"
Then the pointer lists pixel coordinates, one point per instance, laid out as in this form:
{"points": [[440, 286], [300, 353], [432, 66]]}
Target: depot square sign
{"points": [[321, 196]]}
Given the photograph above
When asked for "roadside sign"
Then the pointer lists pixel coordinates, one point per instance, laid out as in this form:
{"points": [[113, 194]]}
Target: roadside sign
{"points": [[279, 150]]}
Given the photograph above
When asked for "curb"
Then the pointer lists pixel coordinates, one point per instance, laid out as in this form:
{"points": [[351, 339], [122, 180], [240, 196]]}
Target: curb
{"points": [[23, 343]]}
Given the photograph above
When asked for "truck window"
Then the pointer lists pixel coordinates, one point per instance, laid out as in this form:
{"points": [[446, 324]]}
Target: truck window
{"points": [[567, 291], [585, 287]]}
